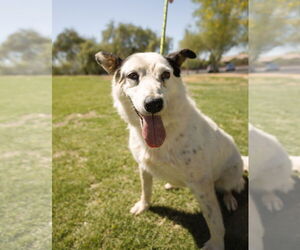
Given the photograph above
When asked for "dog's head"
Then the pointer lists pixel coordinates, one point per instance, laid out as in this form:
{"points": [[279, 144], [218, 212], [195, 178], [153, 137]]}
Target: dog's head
{"points": [[149, 80]]}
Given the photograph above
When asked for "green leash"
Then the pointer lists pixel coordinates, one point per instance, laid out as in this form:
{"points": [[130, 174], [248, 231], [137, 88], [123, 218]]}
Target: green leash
{"points": [[164, 26]]}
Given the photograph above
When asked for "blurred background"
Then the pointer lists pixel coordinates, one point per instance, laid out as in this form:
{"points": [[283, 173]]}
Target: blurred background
{"points": [[56, 117], [25, 124], [123, 29], [81, 29], [216, 31]]}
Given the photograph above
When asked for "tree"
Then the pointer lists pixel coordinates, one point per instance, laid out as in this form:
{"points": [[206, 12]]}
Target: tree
{"points": [[126, 39], [272, 23], [25, 52], [220, 25], [74, 54], [86, 58], [65, 51]]}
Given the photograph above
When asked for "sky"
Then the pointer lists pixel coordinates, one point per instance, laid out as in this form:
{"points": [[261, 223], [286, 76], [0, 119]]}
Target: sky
{"points": [[18, 14], [90, 17]]}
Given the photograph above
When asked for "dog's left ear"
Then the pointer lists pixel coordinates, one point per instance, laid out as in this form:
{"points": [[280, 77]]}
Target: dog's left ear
{"points": [[180, 56], [108, 61]]}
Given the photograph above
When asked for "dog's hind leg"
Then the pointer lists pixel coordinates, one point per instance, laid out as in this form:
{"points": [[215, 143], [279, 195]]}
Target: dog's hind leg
{"points": [[146, 183], [231, 177], [231, 180]]}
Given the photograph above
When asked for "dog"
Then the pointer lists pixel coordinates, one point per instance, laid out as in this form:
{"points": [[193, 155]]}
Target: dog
{"points": [[270, 168], [170, 138]]}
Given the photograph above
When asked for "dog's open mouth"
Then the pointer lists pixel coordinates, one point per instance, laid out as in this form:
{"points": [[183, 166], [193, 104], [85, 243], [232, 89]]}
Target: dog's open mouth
{"points": [[153, 130]]}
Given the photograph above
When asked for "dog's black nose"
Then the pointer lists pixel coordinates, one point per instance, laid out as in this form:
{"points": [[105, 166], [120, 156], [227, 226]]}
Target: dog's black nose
{"points": [[153, 105]]}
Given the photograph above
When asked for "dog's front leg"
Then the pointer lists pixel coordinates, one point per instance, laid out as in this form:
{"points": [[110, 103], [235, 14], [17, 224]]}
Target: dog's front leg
{"points": [[204, 192], [146, 183]]}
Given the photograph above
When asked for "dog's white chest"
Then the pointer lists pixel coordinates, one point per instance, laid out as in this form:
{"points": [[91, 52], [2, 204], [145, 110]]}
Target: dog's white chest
{"points": [[163, 165], [173, 164]]}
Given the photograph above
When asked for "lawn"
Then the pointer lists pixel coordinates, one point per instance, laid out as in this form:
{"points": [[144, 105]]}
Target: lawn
{"points": [[25, 168], [95, 180], [274, 106]]}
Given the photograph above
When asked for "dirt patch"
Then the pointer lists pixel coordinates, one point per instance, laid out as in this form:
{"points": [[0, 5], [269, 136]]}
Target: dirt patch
{"points": [[202, 77], [8, 155], [71, 155], [26, 119], [76, 117], [271, 75]]}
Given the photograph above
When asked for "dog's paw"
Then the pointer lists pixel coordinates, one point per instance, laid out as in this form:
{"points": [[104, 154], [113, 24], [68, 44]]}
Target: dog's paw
{"points": [[209, 245], [230, 202], [139, 207], [169, 186], [272, 202]]}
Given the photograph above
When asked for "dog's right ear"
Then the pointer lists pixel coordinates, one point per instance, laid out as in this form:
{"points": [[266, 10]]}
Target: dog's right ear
{"points": [[108, 61], [176, 59], [180, 56]]}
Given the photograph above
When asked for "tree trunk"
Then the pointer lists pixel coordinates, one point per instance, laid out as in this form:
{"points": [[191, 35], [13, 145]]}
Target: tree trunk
{"points": [[214, 62]]}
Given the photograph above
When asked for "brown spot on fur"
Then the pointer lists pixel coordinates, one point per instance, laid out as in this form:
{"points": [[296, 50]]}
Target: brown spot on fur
{"points": [[188, 161], [209, 210]]}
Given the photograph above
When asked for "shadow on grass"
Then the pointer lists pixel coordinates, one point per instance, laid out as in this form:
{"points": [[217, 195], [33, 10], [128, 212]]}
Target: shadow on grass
{"points": [[236, 223], [282, 228]]}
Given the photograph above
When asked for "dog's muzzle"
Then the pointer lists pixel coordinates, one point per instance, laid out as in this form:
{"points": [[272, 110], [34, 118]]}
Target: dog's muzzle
{"points": [[153, 130]]}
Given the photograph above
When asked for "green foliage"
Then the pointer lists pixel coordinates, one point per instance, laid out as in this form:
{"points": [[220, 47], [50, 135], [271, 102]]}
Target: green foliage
{"points": [[220, 25], [74, 54], [126, 39], [25, 52], [272, 23], [66, 50], [195, 64], [86, 58], [67, 45]]}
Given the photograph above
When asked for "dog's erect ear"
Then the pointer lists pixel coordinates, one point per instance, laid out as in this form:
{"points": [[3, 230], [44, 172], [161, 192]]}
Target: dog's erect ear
{"points": [[108, 61], [180, 56], [176, 59]]}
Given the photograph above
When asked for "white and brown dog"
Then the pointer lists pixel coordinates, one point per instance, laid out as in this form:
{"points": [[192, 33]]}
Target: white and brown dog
{"points": [[170, 138]]}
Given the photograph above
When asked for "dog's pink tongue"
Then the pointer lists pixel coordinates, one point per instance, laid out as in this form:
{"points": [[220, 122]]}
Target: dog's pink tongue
{"points": [[153, 131]]}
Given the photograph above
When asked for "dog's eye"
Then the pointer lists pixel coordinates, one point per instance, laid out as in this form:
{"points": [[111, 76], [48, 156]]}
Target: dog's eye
{"points": [[165, 75], [133, 76]]}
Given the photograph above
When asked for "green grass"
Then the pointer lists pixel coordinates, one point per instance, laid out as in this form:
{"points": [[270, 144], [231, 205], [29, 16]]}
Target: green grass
{"points": [[25, 156], [224, 99], [95, 180], [274, 106]]}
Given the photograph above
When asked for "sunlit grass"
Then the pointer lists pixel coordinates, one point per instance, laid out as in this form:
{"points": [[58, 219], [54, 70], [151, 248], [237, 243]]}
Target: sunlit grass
{"points": [[25, 168]]}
